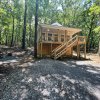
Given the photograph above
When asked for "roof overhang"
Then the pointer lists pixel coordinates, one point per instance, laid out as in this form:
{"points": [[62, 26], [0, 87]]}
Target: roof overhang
{"points": [[71, 31]]}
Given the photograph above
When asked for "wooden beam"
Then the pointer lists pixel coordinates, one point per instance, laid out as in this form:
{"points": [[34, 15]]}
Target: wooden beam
{"points": [[77, 50], [41, 48], [59, 40], [40, 33], [45, 36], [72, 51], [65, 36], [59, 36], [51, 48], [85, 51]]}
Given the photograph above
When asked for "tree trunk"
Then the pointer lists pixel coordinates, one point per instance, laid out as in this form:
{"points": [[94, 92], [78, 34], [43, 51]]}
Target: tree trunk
{"points": [[6, 41], [12, 38], [36, 24], [89, 35], [99, 48], [16, 36], [19, 32], [0, 37], [30, 33], [24, 28]]}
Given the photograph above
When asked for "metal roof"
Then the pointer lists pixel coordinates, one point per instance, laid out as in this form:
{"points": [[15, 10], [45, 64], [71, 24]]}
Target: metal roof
{"points": [[56, 24]]}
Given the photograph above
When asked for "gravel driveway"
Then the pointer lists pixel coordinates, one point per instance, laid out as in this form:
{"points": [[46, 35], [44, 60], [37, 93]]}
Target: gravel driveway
{"points": [[49, 79]]}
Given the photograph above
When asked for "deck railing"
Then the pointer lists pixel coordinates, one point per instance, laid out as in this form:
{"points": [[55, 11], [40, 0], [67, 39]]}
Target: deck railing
{"points": [[81, 39], [60, 50], [64, 45]]}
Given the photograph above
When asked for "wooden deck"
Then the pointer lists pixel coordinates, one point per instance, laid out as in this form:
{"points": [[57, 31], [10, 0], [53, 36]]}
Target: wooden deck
{"points": [[58, 49]]}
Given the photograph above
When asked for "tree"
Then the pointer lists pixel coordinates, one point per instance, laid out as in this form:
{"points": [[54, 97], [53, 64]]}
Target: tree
{"points": [[99, 45], [31, 13], [17, 18], [36, 24], [24, 28]]}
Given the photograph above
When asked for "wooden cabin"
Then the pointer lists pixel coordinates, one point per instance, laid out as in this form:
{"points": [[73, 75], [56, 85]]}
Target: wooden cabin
{"points": [[57, 41]]}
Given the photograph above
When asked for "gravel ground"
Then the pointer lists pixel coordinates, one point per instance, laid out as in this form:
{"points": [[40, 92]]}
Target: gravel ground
{"points": [[49, 79]]}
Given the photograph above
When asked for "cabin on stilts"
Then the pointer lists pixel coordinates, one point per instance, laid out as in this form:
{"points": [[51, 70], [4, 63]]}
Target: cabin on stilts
{"points": [[57, 41]]}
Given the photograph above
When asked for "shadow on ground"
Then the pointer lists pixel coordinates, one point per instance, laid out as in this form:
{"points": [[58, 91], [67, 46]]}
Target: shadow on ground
{"points": [[48, 79]]}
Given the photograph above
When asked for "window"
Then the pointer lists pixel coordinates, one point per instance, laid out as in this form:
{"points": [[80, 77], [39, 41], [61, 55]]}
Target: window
{"points": [[55, 37], [43, 37], [49, 36], [62, 38]]}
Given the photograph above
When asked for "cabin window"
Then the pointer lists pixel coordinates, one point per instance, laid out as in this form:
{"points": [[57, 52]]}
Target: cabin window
{"points": [[55, 37], [62, 38], [43, 37], [49, 36]]}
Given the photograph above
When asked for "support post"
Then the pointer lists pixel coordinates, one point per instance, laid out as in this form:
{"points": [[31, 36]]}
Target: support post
{"points": [[85, 51], [65, 36], [58, 36], [46, 36], [77, 50], [51, 48], [41, 49], [72, 51]]}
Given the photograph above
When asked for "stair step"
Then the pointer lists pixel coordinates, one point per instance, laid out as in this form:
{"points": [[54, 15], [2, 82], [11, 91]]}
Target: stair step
{"points": [[63, 48]]}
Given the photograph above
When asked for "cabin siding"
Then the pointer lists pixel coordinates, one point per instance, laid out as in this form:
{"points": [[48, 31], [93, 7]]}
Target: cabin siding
{"points": [[47, 49]]}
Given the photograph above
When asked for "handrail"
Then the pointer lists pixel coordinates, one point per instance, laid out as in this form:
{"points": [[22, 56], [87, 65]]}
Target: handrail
{"points": [[63, 45], [57, 47], [66, 43], [64, 50], [82, 37], [60, 50]]}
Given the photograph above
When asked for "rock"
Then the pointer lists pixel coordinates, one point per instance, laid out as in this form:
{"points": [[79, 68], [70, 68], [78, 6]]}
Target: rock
{"points": [[1, 56], [9, 54]]}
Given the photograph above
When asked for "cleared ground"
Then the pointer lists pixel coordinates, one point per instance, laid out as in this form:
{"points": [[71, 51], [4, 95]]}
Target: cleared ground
{"points": [[48, 79]]}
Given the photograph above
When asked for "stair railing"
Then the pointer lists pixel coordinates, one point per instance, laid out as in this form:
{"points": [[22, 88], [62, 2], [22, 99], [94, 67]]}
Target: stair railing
{"points": [[64, 44], [57, 55], [62, 49]]}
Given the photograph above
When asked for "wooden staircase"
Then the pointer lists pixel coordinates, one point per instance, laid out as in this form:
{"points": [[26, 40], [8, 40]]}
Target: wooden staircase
{"points": [[64, 47]]}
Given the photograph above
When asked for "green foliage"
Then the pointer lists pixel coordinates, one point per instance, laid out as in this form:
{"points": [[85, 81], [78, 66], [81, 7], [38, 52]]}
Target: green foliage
{"points": [[84, 14], [95, 9], [97, 29]]}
